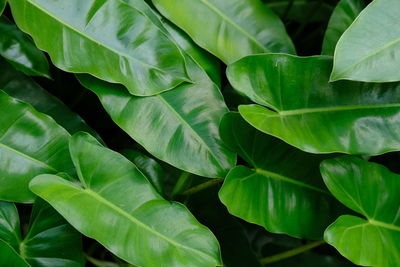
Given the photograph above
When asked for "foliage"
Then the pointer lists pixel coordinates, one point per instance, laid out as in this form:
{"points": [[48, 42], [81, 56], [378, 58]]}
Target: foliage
{"points": [[199, 133]]}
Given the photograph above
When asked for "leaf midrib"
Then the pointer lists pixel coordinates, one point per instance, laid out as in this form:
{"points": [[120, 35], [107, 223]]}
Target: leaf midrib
{"points": [[234, 24], [384, 225], [138, 222]]}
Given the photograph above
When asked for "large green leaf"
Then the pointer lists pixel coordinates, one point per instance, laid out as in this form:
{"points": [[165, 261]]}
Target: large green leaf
{"points": [[373, 191], [50, 240], [284, 192], [25, 89], [31, 143], [370, 48], [229, 29], [132, 220], [110, 39], [308, 112], [342, 17], [20, 51]]}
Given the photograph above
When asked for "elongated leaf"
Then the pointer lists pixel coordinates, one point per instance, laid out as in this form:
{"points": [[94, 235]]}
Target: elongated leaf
{"points": [[229, 29], [179, 127], [370, 48], [312, 114], [111, 40], [31, 143], [372, 191], [284, 192], [132, 220], [25, 89], [342, 17], [2, 6], [50, 240]]}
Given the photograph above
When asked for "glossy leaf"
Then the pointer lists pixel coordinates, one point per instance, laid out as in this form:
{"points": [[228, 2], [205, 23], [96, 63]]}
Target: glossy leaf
{"points": [[370, 48], [50, 240], [20, 51], [342, 17], [372, 191], [132, 220], [31, 143], [284, 192], [179, 127], [111, 40], [229, 29], [308, 112], [19, 86]]}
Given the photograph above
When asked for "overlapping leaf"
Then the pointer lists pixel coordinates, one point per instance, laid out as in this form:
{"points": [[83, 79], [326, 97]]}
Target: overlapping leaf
{"points": [[372, 191], [50, 240], [284, 192], [132, 220], [229, 29], [308, 112], [20, 51], [370, 48], [111, 40], [31, 143]]}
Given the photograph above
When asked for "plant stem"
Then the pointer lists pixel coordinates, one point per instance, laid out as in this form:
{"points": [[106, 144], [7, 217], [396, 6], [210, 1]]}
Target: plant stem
{"points": [[292, 252], [202, 186]]}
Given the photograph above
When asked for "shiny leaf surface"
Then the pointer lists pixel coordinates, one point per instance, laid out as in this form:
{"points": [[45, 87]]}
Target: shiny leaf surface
{"points": [[111, 40], [232, 29], [132, 220], [371, 190], [342, 17], [20, 51], [50, 240], [284, 192], [308, 112], [31, 143], [370, 48]]}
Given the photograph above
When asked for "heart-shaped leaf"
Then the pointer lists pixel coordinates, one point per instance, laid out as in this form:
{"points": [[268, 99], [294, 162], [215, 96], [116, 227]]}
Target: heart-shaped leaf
{"points": [[372, 191], [284, 192], [31, 143], [308, 112], [229, 29], [132, 220], [50, 240], [110, 39], [342, 17], [369, 49]]}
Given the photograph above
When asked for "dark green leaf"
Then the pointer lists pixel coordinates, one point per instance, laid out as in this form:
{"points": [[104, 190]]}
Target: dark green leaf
{"points": [[2, 6]]}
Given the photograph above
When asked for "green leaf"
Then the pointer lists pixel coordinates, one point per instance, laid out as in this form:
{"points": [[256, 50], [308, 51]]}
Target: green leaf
{"points": [[2, 6], [179, 127], [9, 257], [308, 112], [25, 89], [31, 143], [284, 192], [369, 49], [132, 220], [342, 17], [229, 29], [20, 51], [148, 166], [373, 191], [110, 39], [50, 240]]}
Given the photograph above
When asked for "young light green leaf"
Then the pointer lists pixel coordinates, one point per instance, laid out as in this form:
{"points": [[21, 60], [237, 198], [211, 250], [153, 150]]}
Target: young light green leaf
{"points": [[111, 40], [132, 220], [284, 192], [342, 17], [20, 51], [50, 240], [31, 143], [370, 48], [373, 191], [310, 113], [229, 29]]}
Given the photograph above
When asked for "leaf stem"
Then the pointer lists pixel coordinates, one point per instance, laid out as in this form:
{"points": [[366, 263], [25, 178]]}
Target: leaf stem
{"points": [[292, 252], [202, 186]]}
